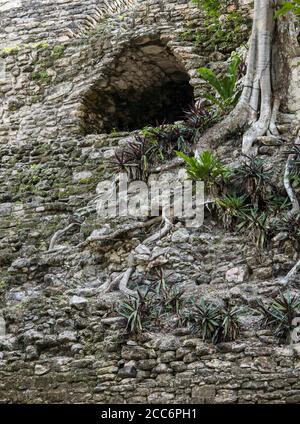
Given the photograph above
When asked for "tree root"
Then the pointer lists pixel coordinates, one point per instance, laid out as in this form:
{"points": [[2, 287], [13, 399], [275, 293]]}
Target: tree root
{"points": [[287, 184], [59, 233], [124, 282], [273, 127], [255, 105], [289, 278], [160, 233], [171, 165], [124, 278], [110, 285], [235, 120], [120, 232]]}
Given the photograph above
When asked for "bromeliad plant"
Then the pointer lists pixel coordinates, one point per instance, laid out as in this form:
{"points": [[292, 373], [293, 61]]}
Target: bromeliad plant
{"points": [[254, 223], [135, 159], [167, 298], [230, 327], [279, 315], [289, 224], [230, 207], [215, 323], [207, 168], [254, 179], [167, 139], [205, 319], [198, 117], [136, 311], [226, 90], [151, 148]]}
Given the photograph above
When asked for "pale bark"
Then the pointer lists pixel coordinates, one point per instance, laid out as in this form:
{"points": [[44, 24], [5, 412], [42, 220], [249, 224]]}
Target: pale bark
{"points": [[286, 180], [154, 237], [256, 106], [124, 282], [161, 232], [121, 232], [59, 233], [290, 277], [261, 84]]}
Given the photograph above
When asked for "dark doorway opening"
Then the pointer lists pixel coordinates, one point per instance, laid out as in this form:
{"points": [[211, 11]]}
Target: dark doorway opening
{"points": [[146, 87]]}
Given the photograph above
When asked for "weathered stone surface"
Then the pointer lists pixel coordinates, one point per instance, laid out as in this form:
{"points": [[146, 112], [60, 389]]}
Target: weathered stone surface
{"points": [[59, 342], [2, 326], [78, 302], [237, 274]]}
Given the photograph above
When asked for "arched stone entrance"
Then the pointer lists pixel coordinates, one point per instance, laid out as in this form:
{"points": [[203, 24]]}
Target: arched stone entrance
{"points": [[146, 85]]}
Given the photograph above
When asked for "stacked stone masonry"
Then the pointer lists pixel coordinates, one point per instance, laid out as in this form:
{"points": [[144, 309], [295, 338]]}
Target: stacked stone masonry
{"points": [[58, 343]]}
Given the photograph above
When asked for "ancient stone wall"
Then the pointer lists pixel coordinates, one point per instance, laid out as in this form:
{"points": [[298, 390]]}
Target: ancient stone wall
{"points": [[58, 342], [29, 21]]}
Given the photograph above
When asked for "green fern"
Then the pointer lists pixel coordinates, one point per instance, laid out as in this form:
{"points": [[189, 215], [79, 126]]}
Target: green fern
{"points": [[226, 87], [206, 167]]}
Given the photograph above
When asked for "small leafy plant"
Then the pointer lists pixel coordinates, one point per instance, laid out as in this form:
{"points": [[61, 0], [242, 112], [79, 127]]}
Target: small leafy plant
{"points": [[211, 7], [253, 177], [226, 90], [151, 148], [289, 224], [289, 6], [135, 159], [197, 116], [231, 206], [206, 167], [135, 310], [230, 326], [167, 298], [215, 323], [205, 319], [167, 139], [255, 223], [279, 315]]}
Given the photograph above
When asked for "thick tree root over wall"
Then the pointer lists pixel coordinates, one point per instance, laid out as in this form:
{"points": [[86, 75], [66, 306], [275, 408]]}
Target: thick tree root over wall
{"points": [[262, 89], [123, 279]]}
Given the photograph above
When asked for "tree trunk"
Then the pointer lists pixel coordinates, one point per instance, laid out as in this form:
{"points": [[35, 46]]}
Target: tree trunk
{"points": [[263, 85]]}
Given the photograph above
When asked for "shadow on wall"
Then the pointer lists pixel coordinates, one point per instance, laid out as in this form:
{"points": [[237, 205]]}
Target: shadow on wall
{"points": [[145, 86]]}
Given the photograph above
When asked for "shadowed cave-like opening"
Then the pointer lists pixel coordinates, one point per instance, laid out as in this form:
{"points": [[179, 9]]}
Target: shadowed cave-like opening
{"points": [[146, 86]]}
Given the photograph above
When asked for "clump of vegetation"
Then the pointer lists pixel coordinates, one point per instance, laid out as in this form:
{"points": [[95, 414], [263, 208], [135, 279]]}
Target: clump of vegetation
{"points": [[58, 51], [167, 139], [254, 179], [204, 319], [207, 168], [211, 7], [254, 223], [40, 75], [290, 225], [135, 311], [198, 117], [222, 27], [279, 315], [168, 298], [215, 323], [154, 308], [289, 6], [137, 158], [14, 50], [9, 51], [226, 89], [230, 208]]}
